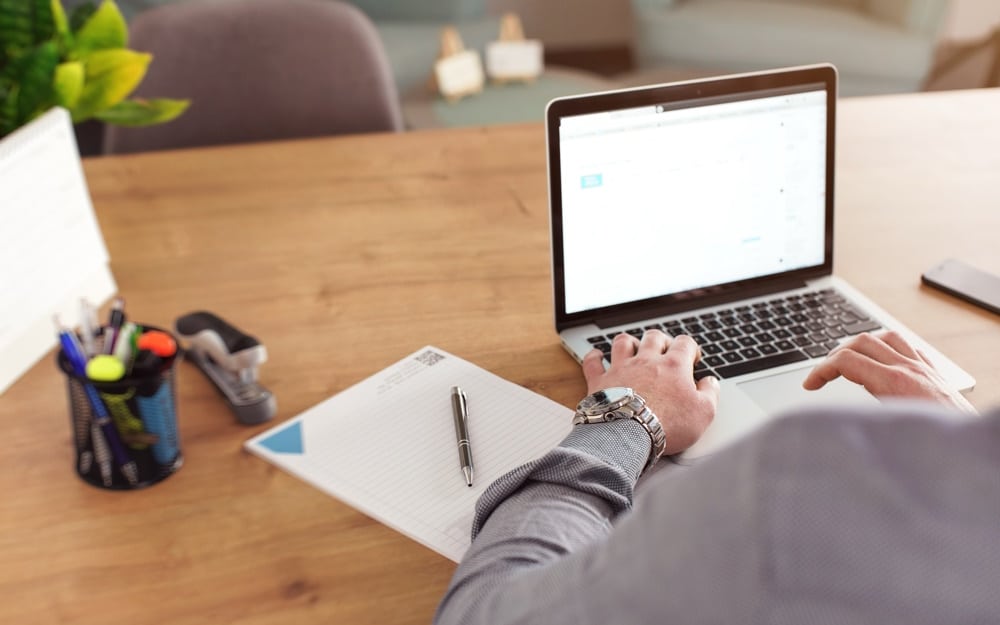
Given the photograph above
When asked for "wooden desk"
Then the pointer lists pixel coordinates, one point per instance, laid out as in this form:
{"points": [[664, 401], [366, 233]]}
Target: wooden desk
{"points": [[343, 255]]}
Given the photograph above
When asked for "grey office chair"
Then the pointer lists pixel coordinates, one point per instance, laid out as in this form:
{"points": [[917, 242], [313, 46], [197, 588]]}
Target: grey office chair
{"points": [[258, 70]]}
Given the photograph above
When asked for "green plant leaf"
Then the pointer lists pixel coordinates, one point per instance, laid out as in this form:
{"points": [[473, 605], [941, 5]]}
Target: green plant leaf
{"points": [[80, 15], [8, 109], [17, 26], [141, 112], [44, 22], [34, 72], [110, 75], [60, 25], [68, 83], [105, 29]]}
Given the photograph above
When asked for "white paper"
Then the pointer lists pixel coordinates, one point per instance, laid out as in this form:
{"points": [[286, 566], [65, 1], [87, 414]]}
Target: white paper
{"points": [[51, 249], [387, 446], [460, 73], [514, 59]]}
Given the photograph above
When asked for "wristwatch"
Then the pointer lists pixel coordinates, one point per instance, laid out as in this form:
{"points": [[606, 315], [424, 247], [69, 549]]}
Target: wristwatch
{"points": [[621, 402]]}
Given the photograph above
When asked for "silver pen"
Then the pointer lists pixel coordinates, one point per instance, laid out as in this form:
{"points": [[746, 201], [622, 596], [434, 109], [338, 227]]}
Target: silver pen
{"points": [[460, 410]]}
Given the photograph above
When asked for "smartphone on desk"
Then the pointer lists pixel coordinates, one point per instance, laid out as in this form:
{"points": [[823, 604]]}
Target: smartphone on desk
{"points": [[965, 282]]}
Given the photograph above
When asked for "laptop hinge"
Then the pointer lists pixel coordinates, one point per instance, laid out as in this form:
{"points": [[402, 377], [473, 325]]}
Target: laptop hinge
{"points": [[680, 304]]}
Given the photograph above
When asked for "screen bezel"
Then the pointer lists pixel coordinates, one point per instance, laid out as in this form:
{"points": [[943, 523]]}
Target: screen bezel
{"points": [[685, 95]]}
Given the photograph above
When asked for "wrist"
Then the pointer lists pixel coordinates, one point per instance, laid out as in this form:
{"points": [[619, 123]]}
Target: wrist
{"points": [[623, 404], [622, 444]]}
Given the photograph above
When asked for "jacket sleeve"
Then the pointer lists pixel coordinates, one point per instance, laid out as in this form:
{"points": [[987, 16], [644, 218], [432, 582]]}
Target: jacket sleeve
{"points": [[547, 547], [888, 515]]}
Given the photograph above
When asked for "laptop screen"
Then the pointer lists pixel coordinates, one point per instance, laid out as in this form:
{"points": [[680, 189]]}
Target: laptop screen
{"points": [[674, 198]]}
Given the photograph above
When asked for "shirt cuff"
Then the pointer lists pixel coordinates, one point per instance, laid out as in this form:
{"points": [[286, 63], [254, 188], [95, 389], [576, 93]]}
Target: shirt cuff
{"points": [[622, 443]]}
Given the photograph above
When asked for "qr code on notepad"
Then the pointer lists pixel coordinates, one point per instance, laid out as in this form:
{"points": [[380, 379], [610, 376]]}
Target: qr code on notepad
{"points": [[430, 358]]}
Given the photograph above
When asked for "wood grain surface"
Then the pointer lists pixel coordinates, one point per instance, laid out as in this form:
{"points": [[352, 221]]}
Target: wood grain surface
{"points": [[344, 254]]}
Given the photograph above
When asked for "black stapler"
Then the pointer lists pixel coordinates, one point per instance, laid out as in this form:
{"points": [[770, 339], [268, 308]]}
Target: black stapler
{"points": [[230, 358]]}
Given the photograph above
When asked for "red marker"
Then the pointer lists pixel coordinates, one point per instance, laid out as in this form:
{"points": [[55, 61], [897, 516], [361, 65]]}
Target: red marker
{"points": [[159, 343]]}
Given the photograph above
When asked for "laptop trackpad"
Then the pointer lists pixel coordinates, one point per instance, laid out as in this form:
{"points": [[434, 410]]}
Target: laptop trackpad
{"points": [[783, 391]]}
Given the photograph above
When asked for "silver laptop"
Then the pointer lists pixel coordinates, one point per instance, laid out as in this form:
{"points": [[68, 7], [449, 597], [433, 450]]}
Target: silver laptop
{"points": [[706, 208]]}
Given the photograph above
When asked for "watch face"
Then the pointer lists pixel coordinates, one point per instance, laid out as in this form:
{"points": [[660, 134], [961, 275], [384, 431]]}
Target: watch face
{"points": [[605, 400]]}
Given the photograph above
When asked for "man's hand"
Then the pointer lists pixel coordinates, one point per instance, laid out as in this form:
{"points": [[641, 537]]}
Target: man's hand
{"points": [[660, 369], [887, 366]]}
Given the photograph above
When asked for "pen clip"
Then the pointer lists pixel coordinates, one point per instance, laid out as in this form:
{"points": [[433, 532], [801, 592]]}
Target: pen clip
{"points": [[464, 403]]}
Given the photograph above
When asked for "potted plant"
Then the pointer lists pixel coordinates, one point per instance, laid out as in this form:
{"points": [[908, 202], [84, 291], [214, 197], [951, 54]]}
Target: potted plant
{"points": [[81, 63]]}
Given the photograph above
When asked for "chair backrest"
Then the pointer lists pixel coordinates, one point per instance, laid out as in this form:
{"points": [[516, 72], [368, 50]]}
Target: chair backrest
{"points": [[258, 70]]}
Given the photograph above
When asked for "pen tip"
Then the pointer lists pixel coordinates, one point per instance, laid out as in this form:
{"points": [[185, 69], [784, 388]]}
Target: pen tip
{"points": [[467, 471]]}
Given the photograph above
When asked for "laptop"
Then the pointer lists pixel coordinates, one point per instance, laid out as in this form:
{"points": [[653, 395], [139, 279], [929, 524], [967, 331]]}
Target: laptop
{"points": [[706, 208]]}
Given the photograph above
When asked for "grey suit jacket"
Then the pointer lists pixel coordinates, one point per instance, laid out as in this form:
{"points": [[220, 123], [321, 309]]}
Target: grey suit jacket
{"points": [[887, 516]]}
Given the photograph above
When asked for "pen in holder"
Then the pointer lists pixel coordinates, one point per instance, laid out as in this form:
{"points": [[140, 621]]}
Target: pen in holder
{"points": [[123, 413]]}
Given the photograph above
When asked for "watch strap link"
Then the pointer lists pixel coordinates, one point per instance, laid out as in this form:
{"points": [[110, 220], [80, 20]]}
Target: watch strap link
{"points": [[651, 424]]}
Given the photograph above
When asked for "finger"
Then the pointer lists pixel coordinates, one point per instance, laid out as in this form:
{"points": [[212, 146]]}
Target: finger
{"points": [[654, 342], [853, 366], [927, 361], [709, 386], [901, 345], [875, 348], [820, 375], [624, 346], [828, 370], [592, 365], [683, 350]]}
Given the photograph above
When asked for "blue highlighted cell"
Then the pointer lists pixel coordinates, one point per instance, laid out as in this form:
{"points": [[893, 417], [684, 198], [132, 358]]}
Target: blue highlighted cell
{"points": [[592, 180]]}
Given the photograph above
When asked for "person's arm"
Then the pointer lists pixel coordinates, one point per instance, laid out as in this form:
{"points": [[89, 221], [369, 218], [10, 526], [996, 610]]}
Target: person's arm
{"points": [[539, 528], [528, 521], [552, 545]]}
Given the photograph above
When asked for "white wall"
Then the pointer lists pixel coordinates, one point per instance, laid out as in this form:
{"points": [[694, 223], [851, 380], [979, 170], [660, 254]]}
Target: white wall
{"points": [[971, 19]]}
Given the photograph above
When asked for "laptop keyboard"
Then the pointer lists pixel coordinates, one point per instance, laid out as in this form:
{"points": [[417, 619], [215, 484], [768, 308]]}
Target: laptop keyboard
{"points": [[743, 339]]}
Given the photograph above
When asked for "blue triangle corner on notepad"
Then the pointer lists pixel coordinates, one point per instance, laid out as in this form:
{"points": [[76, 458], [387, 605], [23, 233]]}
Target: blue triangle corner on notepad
{"points": [[286, 441]]}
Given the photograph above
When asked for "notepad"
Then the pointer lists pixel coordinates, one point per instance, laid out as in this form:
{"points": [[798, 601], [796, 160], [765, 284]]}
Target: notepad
{"points": [[51, 248], [387, 447]]}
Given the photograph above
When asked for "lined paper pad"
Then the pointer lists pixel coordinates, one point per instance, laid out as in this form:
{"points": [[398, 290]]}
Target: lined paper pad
{"points": [[387, 447], [51, 248]]}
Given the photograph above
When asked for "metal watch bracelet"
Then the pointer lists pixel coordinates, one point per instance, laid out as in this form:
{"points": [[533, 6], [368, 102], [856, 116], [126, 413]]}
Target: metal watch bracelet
{"points": [[637, 410]]}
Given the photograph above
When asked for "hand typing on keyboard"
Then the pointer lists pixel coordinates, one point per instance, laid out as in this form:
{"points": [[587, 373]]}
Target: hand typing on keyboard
{"points": [[887, 366], [763, 335], [659, 369]]}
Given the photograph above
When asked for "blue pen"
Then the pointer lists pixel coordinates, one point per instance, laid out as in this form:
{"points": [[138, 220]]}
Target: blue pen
{"points": [[74, 354]]}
